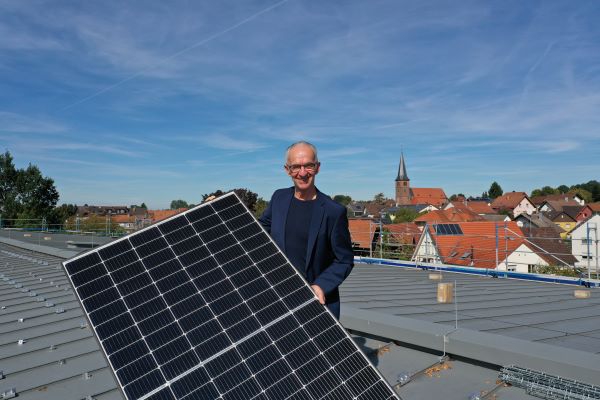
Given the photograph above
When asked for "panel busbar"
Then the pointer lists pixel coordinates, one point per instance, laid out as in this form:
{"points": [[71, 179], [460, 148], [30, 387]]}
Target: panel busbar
{"points": [[205, 306]]}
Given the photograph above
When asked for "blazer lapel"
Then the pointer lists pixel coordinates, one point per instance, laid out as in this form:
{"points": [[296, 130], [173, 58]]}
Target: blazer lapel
{"points": [[315, 223]]}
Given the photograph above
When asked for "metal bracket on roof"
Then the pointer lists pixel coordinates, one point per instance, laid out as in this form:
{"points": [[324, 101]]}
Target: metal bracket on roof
{"points": [[405, 377], [9, 394], [2, 374], [21, 342], [59, 310], [87, 375]]}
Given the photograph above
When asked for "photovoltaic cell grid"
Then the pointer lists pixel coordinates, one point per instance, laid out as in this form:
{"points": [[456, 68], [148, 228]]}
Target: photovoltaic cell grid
{"points": [[205, 306]]}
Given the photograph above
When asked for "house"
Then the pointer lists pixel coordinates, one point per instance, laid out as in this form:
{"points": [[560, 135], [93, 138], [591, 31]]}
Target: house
{"points": [[375, 209], [364, 234], [85, 210], [127, 222], [553, 205], [541, 247], [407, 195], [478, 207], [538, 201], [468, 244], [587, 211], [454, 214], [403, 233], [514, 202], [356, 209], [584, 242], [563, 219], [159, 215], [536, 220]]}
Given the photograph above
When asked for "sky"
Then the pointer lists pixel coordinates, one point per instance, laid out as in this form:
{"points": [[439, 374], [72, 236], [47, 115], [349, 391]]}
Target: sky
{"points": [[124, 102]]}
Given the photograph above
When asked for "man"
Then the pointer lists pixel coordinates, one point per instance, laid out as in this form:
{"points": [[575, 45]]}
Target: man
{"points": [[310, 228]]}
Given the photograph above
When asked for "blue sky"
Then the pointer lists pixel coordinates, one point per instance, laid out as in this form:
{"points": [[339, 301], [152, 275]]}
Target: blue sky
{"points": [[149, 101]]}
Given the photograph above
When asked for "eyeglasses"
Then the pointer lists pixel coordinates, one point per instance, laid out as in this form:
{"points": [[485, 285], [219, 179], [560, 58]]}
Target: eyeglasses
{"points": [[295, 168]]}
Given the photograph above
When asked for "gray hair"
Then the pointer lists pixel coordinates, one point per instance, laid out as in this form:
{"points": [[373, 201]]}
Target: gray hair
{"points": [[301, 142]]}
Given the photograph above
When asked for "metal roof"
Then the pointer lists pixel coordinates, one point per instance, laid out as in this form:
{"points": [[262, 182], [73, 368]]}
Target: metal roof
{"points": [[47, 350], [393, 311], [500, 321]]}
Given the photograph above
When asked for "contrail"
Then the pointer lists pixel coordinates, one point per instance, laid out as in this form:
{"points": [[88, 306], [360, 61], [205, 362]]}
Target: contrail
{"points": [[172, 56]]}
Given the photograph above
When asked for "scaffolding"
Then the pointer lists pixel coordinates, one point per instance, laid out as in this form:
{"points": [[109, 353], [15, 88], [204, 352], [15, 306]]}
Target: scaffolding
{"points": [[548, 386]]}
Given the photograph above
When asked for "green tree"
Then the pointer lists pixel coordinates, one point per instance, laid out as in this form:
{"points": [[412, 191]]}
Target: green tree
{"points": [[260, 207], [59, 215], [175, 204], [584, 194], [342, 199], [545, 191], [8, 189], [379, 198], [563, 189], [248, 197], [495, 190], [405, 215], [592, 186]]}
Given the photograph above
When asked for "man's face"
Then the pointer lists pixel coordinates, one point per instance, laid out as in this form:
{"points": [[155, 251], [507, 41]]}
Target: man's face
{"points": [[303, 156]]}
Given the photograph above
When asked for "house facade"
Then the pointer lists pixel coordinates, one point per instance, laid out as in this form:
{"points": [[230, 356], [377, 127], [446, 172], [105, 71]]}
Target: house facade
{"points": [[515, 202], [584, 242]]}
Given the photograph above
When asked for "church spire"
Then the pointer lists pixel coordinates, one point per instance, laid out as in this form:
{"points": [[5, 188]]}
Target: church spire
{"points": [[402, 176]]}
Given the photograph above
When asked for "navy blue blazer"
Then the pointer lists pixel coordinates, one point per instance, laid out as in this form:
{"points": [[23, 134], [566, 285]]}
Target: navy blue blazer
{"points": [[329, 257]]}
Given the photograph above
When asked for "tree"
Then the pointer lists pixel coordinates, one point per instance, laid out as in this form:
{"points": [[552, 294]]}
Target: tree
{"points": [[456, 197], [248, 197], [60, 215], [584, 194], [379, 198], [8, 182], [405, 215], [485, 195], [563, 188], [545, 191], [176, 204], [260, 207], [495, 190], [342, 199]]}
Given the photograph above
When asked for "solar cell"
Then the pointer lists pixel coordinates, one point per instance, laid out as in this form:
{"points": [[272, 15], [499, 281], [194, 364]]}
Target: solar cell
{"points": [[205, 306]]}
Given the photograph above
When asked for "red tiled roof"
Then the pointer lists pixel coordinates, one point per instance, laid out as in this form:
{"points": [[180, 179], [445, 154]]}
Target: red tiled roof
{"points": [[433, 196], [405, 232], [159, 215], [454, 214], [563, 197], [508, 201], [480, 207], [362, 232], [477, 246], [595, 206], [122, 219]]}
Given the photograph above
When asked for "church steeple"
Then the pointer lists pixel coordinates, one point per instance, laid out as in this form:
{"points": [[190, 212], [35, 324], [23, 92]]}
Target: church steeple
{"points": [[403, 192], [402, 176]]}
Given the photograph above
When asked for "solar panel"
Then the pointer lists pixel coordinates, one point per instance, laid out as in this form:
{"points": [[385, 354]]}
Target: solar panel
{"points": [[205, 306], [447, 229]]}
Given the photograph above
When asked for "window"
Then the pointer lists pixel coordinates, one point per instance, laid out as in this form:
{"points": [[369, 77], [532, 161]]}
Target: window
{"points": [[531, 268]]}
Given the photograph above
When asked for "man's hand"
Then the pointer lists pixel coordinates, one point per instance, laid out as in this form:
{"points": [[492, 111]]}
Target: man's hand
{"points": [[319, 293]]}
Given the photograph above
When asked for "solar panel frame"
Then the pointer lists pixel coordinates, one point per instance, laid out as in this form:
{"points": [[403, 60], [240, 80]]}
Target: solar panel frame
{"points": [[116, 304]]}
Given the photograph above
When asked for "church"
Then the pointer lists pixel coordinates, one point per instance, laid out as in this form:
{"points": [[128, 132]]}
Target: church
{"points": [[410, 196]]}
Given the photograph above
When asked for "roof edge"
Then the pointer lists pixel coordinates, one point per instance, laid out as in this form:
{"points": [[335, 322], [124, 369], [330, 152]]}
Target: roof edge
{"points": [[52, 251], [481, 346]]}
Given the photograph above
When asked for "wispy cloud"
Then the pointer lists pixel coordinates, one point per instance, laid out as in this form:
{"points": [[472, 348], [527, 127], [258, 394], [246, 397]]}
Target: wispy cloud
{"points": [[14, 122]]}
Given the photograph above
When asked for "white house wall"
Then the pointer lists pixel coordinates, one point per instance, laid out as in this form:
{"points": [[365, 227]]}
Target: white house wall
{"points": [[525, 206], [579, 246], [520, 259], [426, 252]]}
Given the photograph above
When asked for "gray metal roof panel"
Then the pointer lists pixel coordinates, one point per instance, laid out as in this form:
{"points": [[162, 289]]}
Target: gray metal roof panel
{"points": [[34, 369]]}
